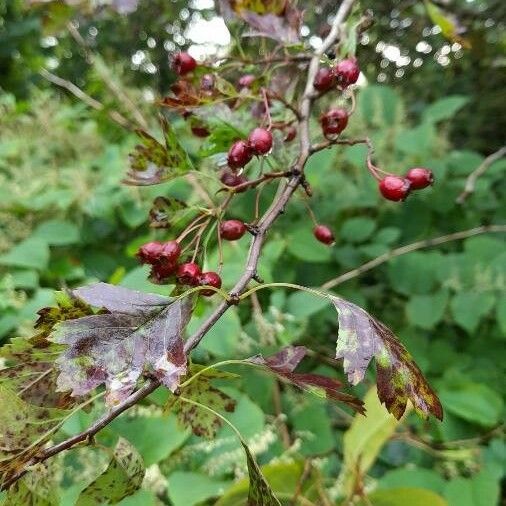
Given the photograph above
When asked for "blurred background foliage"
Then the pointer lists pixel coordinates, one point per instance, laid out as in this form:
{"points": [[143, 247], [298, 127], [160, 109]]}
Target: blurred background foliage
{"points": [[65, 220]]}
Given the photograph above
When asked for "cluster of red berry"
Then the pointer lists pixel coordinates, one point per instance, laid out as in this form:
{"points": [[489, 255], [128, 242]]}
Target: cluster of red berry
{"points": [[259, 142], [398, 188]]}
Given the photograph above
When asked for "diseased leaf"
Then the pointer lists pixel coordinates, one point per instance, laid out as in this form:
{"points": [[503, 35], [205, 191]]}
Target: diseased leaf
{"points": [[284, 363], [154, 163], [141, 333], [122, 478], [166, 212], [202, 422], [361, 337]]}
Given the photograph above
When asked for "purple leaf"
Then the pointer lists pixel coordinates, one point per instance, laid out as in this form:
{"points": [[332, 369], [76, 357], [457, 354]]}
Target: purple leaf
{"points": [[361, 337]]}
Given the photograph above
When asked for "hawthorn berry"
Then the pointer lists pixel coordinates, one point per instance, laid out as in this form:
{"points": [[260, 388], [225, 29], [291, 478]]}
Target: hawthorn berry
{"points": [[209, 279], [199, 130], [323, 234], [228, 178], [246, 80], [188, 274], [162, 270], [183, 63], [260, 141], [239, 154], [334, 121], [346, 72], [394, 188], [231, 230], [419, 177], [324, 79], [149, 253], [170, 252], [290, 134]]}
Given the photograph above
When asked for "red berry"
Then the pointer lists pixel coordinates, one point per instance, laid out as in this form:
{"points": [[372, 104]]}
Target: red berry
{"points": [[209, 279], [324, 234], [239, 155], [324, 79], [290, 134], [183, 63], [150, 252], [246, 80], [394, 188], [260, 141], [347, 72], [162, 270], [200, 130], [188, 274], [230, 179], [334, 121], [420, 178], [170, 252], [231, 230]]}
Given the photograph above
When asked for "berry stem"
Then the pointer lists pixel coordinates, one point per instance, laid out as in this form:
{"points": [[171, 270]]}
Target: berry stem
{"points": [[267, 108]]}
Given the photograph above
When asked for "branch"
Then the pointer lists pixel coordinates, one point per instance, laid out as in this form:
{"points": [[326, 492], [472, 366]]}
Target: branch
{"points": [[427, 243], [482, 168]]}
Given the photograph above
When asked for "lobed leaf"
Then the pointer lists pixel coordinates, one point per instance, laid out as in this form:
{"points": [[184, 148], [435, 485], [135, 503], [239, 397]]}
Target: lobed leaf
{"points": [[166, 212], [361, 337], [140, 333]]}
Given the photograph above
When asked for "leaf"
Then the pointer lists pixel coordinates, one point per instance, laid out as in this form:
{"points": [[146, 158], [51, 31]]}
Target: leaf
{"points": [[363, 441], [141, 333], [32, 253], [445, 108], [361, 337], [187, 489], [153, 163], [402, 496], [449, 27], [468, 308], [122, 478], [57, 232], [259, 6], [357, 229], [203, 422], [166, 212], [284, 363], [426, 311], [483, 489]]}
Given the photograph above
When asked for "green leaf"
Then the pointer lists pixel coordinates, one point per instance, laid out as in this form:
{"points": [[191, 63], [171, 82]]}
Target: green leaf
{"points": [[417, 477], [167, 212], [364, 439], [357, 229], [483, 489], [501, 314], [122, 478], [426, 311], [303, 304], [303, 246], [444, 108], [448, 26], [187, 489], [32, 253], [417, 140], [402, 497], [468, 308], [414, 273], [57, 232]]}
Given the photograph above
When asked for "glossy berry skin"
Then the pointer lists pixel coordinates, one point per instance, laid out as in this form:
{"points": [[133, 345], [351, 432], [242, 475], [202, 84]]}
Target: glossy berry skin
{"points": [[323, 234], [246, 80], [419, 177], [260, 141], [231, 230], [239, 155], [394, 188], [347, 72], [183, 63], [230, 179], [324, 79], [334, 121], [150, 252], [162, 270], [209, 278], [170, 252], [188, 274]]}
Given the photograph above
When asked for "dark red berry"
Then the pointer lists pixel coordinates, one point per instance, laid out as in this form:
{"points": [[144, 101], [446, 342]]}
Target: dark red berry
{"points": [[324, 79], [334, 121], [260, 141], [149, 253], [324, 234], [290, 134], [246, 80], [170, 252], [183, 63], [231, 230], [347, 72], [394, 188], [230, 179], [209, 279], [199, 130], [419, 177], [239, 155], [162, 270], [188, 274]]}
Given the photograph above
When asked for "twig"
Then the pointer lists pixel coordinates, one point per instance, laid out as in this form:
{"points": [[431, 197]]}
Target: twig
{"points": [[427, 243], [276, 399], [482, 168]]}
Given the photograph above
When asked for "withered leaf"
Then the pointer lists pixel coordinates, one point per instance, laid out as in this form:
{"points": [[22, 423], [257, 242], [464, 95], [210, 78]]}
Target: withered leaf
{"points": [[153, 163], [140, 333], [361, 337], [166, 212], [284, 363]]}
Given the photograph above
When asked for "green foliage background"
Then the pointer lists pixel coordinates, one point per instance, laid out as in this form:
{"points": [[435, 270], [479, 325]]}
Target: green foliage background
{"points": [[65, 220]]}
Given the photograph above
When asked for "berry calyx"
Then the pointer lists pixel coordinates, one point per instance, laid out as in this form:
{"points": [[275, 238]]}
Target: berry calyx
{"points": [[170, 252], [394, 188], [246, 80], [323, 234], [239, 154], [231, 230], [334, 121], [209, 279], [324, 79], [347, 72], [419, 177], [260, 141], [183, 63], [149, 253], [230, 179], [188, 274]]}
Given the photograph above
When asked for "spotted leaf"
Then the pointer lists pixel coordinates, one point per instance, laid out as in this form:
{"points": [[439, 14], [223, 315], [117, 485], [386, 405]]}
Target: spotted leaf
{"points": [[166, 212]]}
